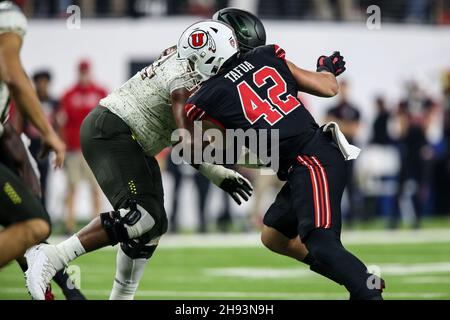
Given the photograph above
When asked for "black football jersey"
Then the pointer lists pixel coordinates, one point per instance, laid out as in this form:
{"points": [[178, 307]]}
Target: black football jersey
{"points": [[256, 91]]}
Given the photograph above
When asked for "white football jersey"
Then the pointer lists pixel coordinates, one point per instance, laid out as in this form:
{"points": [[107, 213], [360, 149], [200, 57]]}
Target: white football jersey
{"points": [[143, 102], [11, 20]]}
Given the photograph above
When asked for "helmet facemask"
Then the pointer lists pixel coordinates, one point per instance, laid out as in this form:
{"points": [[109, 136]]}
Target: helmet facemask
{"points": [[191, 78]]}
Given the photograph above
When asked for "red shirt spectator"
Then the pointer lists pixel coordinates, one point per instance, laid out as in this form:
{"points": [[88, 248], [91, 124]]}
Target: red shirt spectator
{"points": [[76, 104]]}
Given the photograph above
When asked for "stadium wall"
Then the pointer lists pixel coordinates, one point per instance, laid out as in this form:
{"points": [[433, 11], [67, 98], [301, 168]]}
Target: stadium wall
{"points": [[379, 61]]}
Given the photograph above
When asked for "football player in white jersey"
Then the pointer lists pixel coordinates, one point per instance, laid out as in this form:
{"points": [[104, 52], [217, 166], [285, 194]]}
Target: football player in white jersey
{"points": [[25, 220], [119, 140]]}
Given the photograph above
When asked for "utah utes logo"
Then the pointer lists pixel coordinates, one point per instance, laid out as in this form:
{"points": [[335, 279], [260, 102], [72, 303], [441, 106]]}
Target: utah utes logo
{"points": [[198, 39]]}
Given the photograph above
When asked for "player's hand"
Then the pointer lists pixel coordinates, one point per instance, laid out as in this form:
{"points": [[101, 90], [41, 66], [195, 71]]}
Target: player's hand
{"points": [[237, 186], [51, 142], [334, 63]]}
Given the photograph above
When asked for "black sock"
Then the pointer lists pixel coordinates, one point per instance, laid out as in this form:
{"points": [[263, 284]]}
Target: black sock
{"points": [[309, 259], [326, 247], [23, 265], [67, 286], [320, 268]]}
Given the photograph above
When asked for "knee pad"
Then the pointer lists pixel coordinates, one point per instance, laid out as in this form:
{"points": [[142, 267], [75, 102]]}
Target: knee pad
{"points": [[140, 248], [126, 224]]}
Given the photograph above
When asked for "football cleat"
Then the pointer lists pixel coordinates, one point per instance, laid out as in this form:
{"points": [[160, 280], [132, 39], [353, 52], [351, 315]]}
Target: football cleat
{"points": [[43, 263], [49, 294]]}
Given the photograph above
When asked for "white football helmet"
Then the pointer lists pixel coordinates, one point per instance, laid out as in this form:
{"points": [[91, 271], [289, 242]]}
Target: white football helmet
{"points": [[205, 46]]}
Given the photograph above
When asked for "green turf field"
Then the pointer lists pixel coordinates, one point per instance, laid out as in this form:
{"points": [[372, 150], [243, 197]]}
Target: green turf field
{"points": [[411, 270]]}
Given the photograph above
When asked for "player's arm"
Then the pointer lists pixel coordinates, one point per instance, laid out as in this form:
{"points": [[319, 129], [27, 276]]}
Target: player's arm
{"points": [[12, 146], [322, 83], [237, 186], [23, 94]]}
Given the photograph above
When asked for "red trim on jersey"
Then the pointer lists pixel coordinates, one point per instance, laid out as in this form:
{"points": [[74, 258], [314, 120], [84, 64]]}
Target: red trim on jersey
{"points": [[321, 189], [326, 192], [195, 113], [321, 192], [188, 110], [279, 52], [315, 189]]}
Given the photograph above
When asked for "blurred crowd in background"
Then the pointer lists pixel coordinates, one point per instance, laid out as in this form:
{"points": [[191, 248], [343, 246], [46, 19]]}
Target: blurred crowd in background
{"points": [[402, 176], [423, 11]]}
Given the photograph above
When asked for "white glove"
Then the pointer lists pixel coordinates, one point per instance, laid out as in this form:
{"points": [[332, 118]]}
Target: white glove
{"points": [[228, 180]]}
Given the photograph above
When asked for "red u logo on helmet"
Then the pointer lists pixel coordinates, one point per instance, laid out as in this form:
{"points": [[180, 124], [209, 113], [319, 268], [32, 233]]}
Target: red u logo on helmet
{"points": [[198, 39]]}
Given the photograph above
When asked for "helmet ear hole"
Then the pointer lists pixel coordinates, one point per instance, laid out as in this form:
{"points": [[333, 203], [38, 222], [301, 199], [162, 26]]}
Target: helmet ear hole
{"points": [[210, 60]]}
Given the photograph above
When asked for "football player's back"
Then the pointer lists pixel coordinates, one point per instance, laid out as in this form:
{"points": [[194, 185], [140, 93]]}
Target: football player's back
{"points": [[256, 91]]}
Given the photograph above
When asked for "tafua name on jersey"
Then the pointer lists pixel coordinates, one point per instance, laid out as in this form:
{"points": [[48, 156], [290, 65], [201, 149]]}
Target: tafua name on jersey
{"points": [[238, 71]]}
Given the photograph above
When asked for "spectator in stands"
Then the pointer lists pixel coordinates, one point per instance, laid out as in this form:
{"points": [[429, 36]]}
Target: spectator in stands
{"points": [[41, 80], [47, 8], [416, 153], [76, 103], [336, 10], [443, 11], [385, 200], [445, 172], [282, 9], [348, 117], [380, 129]]}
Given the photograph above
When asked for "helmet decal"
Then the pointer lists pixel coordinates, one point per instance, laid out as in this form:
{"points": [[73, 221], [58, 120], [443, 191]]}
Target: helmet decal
{"points": [[198, 39], [232, 42]]}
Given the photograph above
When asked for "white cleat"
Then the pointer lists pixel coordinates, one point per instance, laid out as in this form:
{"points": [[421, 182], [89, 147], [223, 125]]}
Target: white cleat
{"points": [[43, 263]]}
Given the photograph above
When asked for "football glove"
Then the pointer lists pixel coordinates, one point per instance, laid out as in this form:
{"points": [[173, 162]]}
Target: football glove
{"points": [[236, 185], [334, 63]]}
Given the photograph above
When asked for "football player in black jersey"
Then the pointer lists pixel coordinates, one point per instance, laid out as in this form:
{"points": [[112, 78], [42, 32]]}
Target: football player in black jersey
{"points": [[257, 90]]}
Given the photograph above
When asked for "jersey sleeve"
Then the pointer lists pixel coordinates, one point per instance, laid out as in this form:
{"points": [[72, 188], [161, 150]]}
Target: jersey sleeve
{"points": [[279, 52], [271, 51], [194, 113]]}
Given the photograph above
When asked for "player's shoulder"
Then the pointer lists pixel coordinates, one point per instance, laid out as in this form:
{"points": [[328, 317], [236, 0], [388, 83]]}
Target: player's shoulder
{"points": [[168, 60], [270, 50], [202, 93], [169, 66], [209, 92]]}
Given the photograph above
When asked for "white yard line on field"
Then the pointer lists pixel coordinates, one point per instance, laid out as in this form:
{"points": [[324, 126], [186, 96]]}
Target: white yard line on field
{"points": [[436, 279], [392, 269], [253, 239], [244, 295]]}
